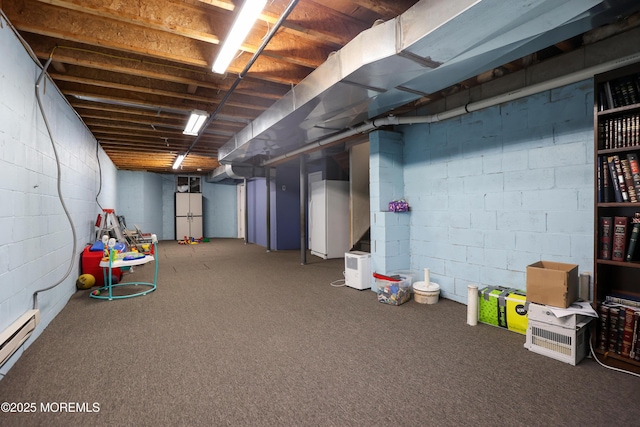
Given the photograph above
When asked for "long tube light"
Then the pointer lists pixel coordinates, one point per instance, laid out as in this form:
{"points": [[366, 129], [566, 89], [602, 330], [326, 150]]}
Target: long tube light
{"points": [[178, 161], [250, 11], [195, 122]]}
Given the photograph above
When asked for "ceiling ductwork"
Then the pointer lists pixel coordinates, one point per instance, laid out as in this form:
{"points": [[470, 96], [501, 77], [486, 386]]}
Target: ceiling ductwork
{"points": [[428, 48], [233, 172]]}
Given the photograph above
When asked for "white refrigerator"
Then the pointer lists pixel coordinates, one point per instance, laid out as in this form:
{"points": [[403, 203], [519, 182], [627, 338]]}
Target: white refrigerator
{"points": [[188, 215], [329, 220]]}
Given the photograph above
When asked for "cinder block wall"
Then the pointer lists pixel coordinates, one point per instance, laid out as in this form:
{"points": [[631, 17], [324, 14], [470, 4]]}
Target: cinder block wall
{"points": [[140, 201], [390, 250], [495, 190], [35, 236]]}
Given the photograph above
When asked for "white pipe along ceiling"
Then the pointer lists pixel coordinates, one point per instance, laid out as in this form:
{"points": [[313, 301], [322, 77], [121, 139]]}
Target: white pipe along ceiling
{"points": [[430, 47]]}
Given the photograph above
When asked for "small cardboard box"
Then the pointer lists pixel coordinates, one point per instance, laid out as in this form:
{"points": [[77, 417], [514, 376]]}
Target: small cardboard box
{"points": [[552, 283]]}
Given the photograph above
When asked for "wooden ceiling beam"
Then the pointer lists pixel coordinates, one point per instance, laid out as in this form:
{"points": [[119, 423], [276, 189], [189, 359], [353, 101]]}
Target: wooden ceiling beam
{"points": [[171, 17], [46, 20], [109, 97], [106, 63], [235, 100], [167, 118], [143, 145], [195, 23]]}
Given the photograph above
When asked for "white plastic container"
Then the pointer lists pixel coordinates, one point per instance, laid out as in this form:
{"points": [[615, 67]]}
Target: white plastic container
{"points": [[426, 294], [406, 275]]}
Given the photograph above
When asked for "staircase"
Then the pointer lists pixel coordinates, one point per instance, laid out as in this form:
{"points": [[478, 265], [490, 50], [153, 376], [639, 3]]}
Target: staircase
{"points": [[364, 243]]}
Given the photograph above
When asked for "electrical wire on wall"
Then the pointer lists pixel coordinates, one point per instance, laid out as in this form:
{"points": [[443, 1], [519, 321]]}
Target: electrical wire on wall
{"points": [[59, 179], [99, 173]]}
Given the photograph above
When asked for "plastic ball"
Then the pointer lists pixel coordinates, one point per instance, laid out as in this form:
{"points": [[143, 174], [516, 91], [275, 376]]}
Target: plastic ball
{"points": [[96, 292], [85, 281]]}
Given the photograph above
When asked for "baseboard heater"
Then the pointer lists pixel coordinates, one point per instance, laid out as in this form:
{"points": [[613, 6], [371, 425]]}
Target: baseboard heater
{"points": [[17, 333]]}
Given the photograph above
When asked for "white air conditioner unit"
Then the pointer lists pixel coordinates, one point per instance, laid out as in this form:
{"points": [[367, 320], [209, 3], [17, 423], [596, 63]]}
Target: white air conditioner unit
{"points": [[357, 269], [564, 339]]}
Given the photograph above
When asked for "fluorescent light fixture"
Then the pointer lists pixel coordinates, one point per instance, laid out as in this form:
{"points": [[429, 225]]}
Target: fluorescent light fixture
{"points": [[250, 11], [195, 122], [179, 160]]}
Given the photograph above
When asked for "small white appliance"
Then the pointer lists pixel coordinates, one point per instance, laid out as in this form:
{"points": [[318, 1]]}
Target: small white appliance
{"points": [[357, 269], [564, 339]]}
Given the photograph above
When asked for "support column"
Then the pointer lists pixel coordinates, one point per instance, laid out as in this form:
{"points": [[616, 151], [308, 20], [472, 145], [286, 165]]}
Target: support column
{"points": [[246, 213], [268, 198], [303, 209], [389, 231]]}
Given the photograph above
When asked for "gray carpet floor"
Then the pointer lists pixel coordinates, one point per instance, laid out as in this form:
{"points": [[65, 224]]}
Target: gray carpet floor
{"points": [[237, 336]]}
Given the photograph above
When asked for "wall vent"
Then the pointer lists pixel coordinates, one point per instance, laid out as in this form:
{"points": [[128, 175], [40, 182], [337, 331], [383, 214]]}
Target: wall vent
{"points": [[17, 333]]}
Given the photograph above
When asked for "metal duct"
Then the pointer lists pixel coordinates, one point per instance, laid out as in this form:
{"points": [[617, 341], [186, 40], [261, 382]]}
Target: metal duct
{"points": [[430, 47], [465, 109], [229, 171]]}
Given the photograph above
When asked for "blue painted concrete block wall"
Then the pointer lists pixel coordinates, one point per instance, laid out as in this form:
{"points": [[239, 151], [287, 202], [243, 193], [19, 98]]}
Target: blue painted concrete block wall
{"points": [[36, 241], [140, 201], [498, 189], [220, 204], [390, 245], [148, 200]]}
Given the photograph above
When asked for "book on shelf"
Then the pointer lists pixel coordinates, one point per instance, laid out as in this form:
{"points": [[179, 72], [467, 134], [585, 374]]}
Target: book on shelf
{"points": [[619, 330], [633, 239], [628, 179], [622, 314], [619, 238], [612, 328], [627, 333], [606, 182], [622, 300], [617, 178], [619, 131], [600, 185], [634, 165], [603, 327], [621, 92], [635, 348], [633, 353], [606, 234], [608, 95]]}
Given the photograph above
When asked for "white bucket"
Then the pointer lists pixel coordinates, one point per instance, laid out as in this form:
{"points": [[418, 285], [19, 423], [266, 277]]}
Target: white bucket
{"points": [[426, 294]]}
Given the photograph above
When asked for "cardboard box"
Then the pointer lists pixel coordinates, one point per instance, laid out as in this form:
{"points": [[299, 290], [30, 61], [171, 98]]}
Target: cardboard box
{"points": [[552, 283]]}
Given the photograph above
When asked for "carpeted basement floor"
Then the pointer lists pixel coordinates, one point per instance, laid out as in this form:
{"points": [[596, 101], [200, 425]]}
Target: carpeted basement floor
{"points": [[237, 336]]}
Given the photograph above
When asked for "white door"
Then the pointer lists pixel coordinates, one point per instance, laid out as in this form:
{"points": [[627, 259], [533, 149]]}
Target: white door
{"points": [[311, 178], [318, 219]]}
